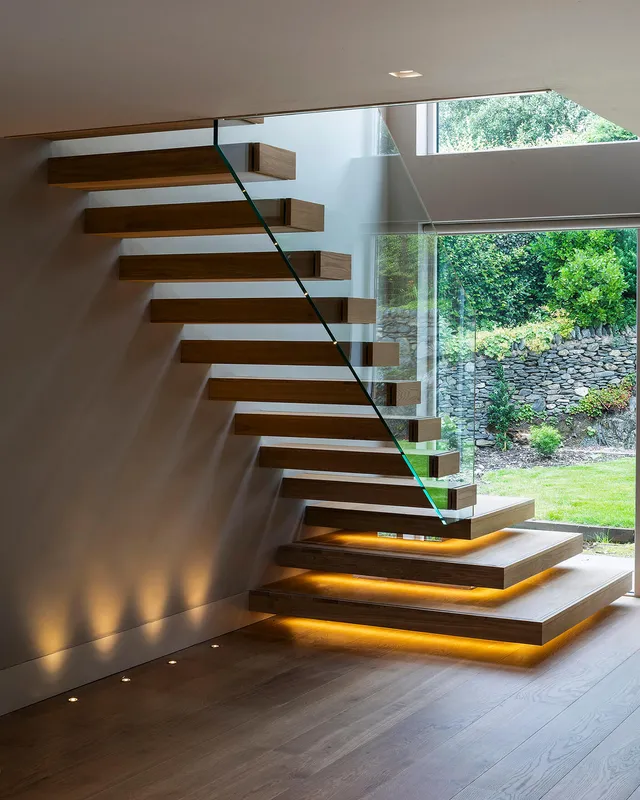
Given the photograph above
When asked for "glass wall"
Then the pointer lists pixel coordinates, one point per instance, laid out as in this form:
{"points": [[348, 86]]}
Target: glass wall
{"points": [[555, 377]]}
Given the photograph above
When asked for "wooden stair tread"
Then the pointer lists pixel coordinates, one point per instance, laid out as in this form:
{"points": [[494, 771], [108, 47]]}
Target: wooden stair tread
{"points": [[262, 310], [204, 219], [498, 560], [299, 390], [145, 127], [174, 166], [532, 612], [393, 491], [322, 425], [345, 458], [490, 514], [293, 353], [309, 265]]}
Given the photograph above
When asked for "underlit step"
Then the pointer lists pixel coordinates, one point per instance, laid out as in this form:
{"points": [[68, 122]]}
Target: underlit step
{"points": [[496, 561], [204, 219], [533, 612], [175, 166], [318, 392], [387, 491], [148, 127], [341, 458], [490, 514], [313, 354], [308, 265], [334, 426], [262, 310]]}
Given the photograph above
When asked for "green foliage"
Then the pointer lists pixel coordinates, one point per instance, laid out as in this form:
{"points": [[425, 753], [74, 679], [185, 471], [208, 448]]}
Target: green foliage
{"points": [[607, 400], [520, 121], [537, 336], [525, 412], [398, 259], [545, 440], [502, 412], [590, 286], [503, 278]]}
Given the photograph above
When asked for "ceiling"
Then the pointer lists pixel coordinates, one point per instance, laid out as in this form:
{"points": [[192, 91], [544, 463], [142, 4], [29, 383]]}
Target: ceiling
{"points": [[68, 64]]}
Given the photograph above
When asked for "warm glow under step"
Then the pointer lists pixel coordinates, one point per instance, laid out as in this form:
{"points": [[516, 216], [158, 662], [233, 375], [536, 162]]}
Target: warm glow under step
{"points": [[496, 561], [534, 611]]}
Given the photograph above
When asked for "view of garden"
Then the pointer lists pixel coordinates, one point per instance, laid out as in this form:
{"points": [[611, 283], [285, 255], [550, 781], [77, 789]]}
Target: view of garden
{"points": [[539, 392], [555, 367]]}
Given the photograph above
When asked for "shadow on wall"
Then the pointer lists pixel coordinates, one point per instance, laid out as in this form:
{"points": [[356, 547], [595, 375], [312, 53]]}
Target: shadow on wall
{"points": [[124, 497]]}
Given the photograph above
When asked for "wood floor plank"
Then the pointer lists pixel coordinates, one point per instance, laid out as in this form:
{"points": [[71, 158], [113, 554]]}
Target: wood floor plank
{"points": [[534, 768]]}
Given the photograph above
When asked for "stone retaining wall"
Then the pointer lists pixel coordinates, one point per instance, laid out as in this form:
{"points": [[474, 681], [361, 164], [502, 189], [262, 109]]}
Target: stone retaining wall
{"points": [[552, 381]]}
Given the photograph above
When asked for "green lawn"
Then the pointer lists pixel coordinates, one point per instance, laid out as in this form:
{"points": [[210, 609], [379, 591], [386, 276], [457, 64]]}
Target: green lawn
{"points": [[592, 494]]}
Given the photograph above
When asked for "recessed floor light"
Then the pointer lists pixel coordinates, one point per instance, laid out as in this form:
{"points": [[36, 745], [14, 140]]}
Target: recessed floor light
{"points": [[72, 699], [406, 73]]}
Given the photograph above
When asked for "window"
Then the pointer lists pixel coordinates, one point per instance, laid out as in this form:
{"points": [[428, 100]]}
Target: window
{"points": [[541, 119]]}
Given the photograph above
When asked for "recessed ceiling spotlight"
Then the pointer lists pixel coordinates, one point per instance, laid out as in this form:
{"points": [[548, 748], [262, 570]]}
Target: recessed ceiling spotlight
{"points": [[406, 73], [72, 699], [172, 662], [124, 679], [215, 646]]}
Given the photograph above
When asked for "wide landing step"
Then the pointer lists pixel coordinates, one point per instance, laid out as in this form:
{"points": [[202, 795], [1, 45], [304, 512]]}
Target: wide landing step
{"points": [[534, 611], [496, 561], [490, 514]]}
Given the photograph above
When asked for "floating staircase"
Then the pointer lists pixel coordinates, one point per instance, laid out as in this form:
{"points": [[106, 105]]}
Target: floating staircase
{"points": [[477, 576]]}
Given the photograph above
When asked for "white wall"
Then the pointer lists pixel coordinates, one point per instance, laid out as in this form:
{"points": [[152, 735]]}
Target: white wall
{"points": [[133, 520], [577, 181]]}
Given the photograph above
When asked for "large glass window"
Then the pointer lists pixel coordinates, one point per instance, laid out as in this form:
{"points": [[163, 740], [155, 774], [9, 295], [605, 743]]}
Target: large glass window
{"points": [[555, 372], [542, 119]]}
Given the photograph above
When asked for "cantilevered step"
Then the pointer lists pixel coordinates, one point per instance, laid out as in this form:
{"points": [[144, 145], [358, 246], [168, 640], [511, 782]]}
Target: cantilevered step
{"points": [[204, 219], [369, 489], [490, 514], [263, 310], [147, 127], [176, 166], [309, 265], [342, 458], [318, 392], [314, 354], [496, 561], [335, 426], [534, 611]]}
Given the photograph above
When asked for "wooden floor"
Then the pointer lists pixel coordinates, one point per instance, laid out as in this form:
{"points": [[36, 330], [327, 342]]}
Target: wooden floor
{"points": [[302, 710]]}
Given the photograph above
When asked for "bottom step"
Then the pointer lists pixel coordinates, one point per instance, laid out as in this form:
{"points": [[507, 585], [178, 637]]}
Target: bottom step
{"points": [[532, 612]]}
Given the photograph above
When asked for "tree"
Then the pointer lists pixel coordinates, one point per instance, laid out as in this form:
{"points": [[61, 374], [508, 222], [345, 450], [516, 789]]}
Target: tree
{"points": [[590, 286], [521, 121], [501, 411], [504, 279]]}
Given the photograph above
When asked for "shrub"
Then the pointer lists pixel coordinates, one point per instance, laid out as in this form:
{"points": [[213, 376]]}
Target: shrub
{"points": [[527, 413], [605, 401], [545, 439], [537, 336], [502, 411], [590, 287]]}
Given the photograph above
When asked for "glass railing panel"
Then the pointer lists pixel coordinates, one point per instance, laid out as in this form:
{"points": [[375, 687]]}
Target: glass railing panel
{"points": [[347, 163]]}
